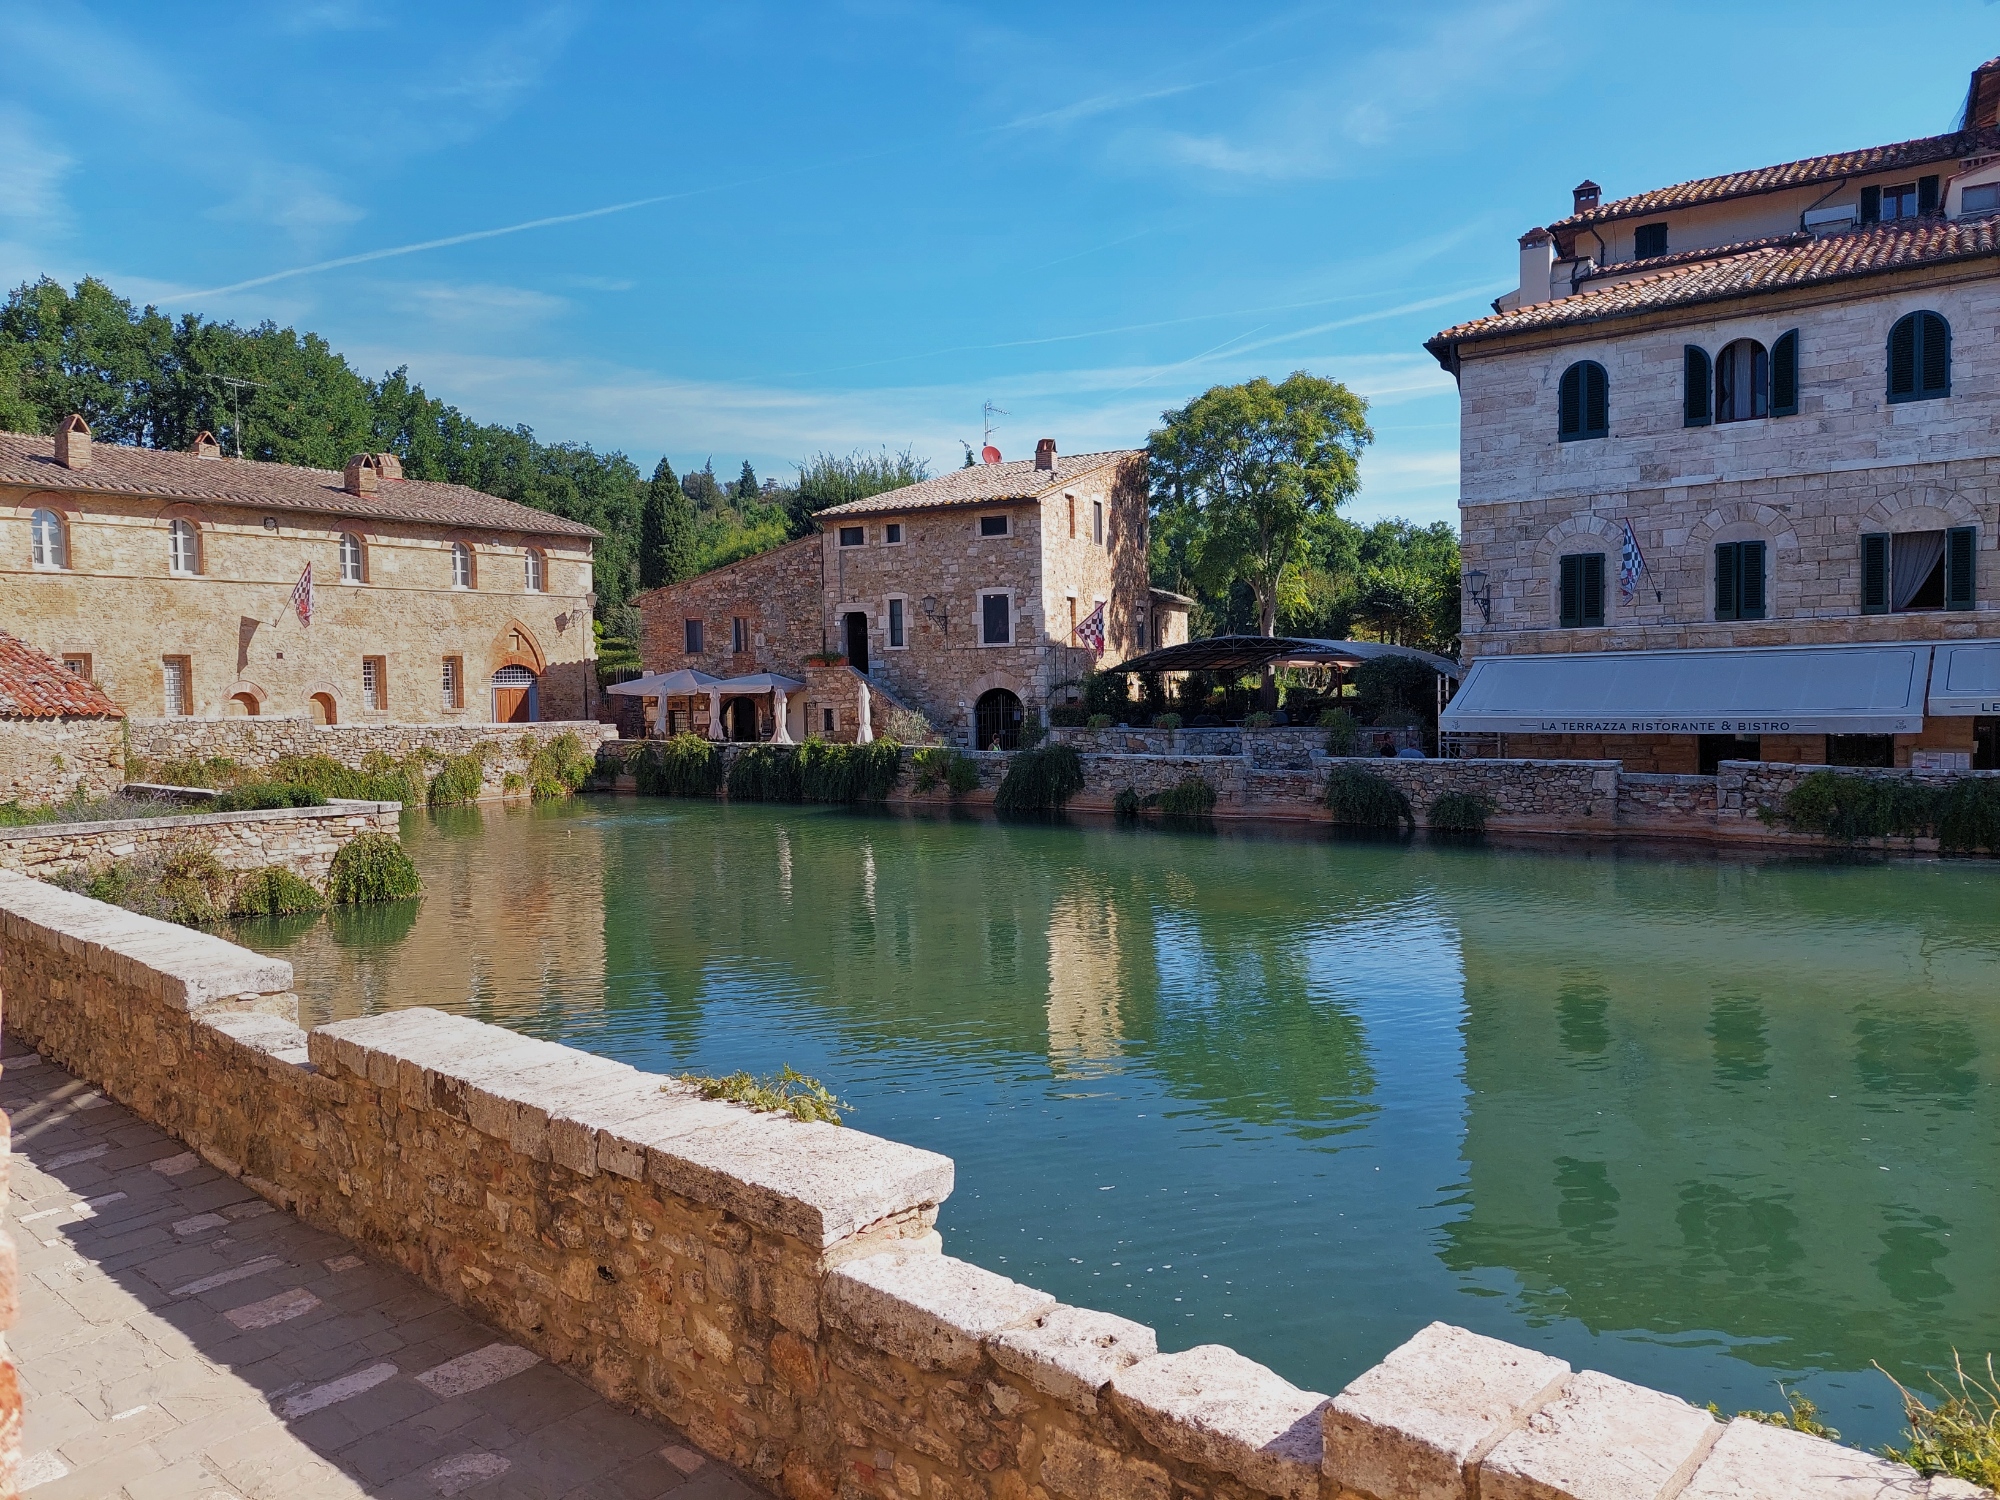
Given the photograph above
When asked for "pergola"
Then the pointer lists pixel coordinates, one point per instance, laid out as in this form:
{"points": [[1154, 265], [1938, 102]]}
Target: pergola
{"points": [[1253, 653]]}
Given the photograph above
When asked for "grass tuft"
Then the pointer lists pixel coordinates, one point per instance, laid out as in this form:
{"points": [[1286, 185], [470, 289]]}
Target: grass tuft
{"points": [[275, 891], [787, 1092], [1960, 1436]]}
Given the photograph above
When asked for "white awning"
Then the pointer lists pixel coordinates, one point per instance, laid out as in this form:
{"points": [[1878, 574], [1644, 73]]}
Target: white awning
{"points": [[1769, 690], [679, 684], [761, 682], [1965, 678]]}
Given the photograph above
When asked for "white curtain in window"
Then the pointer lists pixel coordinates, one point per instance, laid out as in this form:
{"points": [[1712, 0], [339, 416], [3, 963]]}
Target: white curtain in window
{"points": [[1913, 557], [47, 535]]}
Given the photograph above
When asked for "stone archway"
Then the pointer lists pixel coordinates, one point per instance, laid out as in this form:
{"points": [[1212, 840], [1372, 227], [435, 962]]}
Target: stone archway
{"points": [[996, 720]]}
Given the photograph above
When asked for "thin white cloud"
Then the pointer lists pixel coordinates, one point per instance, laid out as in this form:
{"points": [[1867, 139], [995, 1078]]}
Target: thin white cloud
{"points": [[32, 205]]}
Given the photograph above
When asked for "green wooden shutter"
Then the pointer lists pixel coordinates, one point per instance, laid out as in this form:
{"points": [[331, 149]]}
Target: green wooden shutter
{"points": [[1933, 355], [1961, 551], [1875, 573], [1871, 205], [1728, 564], [1750, 581], [1569, 419], [1903, 359], [1596, 401], [1569, 602], [1785, 375], [1593, 588], [1694, 386], [1927, 195]]}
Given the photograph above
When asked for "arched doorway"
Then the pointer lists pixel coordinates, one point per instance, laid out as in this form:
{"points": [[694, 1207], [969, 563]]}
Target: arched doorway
{"points": [[240, 706], [739, 719], [997, 718], [856, 625], [514, 696], [322, 709]]}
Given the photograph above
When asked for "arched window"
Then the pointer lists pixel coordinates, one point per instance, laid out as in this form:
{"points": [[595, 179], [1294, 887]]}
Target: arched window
{"points": [[50, 547], [537, 570], [1584, 402], [1919, 358], [1742, 382], [353, 560], [461, 566], [183, 548]]}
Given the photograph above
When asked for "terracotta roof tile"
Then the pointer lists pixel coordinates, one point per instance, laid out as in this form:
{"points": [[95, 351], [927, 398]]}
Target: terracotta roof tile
{"points": [[1791, 174], [984, 484], [29, 460], [35, 685], [1865, 252]]}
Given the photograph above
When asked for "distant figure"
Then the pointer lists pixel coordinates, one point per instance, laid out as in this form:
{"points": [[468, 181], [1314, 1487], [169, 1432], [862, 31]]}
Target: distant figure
{"points": [[1388, 749], [1410, 752]]}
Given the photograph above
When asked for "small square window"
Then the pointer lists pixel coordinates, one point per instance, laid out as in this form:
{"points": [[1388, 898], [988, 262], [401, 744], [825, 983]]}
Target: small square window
{"points": [[77, 663], [992, 525], [693, 636], [892, 534], [1649, 240], [853, 536]]}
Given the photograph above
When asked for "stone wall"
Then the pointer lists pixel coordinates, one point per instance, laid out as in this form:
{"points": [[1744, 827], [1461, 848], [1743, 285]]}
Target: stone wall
{"points": [[777, 1290], [10, 1305], [261, 743], [52, 760], [302, 839]]}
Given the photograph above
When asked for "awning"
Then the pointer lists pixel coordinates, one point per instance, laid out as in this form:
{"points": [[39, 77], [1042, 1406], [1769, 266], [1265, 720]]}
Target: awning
{"points": [[1252, 653], [1772, 690], [682, 684], [1965, 678], [760, 682]]}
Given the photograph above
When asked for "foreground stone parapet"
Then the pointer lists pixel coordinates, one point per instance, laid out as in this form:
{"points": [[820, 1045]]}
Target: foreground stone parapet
{"points": [[1211, 1406], [1073, 1353], [929, 1309], [1755, 1461], [1410, 1428], [1602, 1439]]}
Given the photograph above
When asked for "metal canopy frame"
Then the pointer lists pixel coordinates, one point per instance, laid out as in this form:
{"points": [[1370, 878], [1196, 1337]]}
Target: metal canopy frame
{"points": [[1253, 653]]}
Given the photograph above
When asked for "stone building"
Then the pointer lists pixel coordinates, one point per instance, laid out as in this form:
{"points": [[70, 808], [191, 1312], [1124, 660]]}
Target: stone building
{"points": [[1729, 466], [174, 582], [60, 736], [974, 598]]}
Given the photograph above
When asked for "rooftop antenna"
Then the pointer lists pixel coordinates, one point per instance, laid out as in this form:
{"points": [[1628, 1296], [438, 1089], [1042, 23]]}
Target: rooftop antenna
{"points": [[987, 451], [236, 387]]}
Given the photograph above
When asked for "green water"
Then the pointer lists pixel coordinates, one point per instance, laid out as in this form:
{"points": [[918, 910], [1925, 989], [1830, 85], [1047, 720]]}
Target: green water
{"points": [[1702, 1124]]}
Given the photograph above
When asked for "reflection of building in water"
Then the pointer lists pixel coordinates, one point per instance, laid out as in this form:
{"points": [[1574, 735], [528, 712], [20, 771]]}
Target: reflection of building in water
{"points": [[1767, 1116], [1084, 1036]]}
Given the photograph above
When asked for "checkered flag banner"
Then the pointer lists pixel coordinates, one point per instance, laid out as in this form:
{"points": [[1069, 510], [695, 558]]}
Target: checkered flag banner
{"points": [[1631, 563], [1090, 630], [302, 596]]}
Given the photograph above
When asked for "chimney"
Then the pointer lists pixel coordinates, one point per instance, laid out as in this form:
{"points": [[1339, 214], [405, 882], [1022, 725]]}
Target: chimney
{"points": [[388, 466], [205, 445], [1585, 194], [1045, 454], [73, 442], [1538, 260], [360, 478], [1982, 99]]}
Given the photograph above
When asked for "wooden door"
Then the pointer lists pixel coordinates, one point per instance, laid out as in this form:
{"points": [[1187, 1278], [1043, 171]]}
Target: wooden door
{"points": [[510, 705]]}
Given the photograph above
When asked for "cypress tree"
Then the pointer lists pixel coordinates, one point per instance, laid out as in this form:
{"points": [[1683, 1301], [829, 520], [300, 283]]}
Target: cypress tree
{"points": [[746, 484], [666, 531]]}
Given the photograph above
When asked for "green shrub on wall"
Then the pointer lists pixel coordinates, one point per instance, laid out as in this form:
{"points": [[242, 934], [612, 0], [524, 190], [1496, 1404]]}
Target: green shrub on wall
{"points": [[275, 891], [1843, 808], [760, 773], [1968, 817], [848, 773], [1040, 780], [374, 867], [379, 780], [1190, 797], [1167, 721], [1359, 798], [1459, 812], [460, 778], [685, 766], [1098, 721], [260, 796], [559, 766], [940, 765], [1341, 731]]}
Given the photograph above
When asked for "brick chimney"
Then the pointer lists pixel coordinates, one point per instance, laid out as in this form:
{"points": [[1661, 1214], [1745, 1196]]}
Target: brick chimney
{"points": [[205, 445], [361, 474], [1045, 454], [388, 466], [1982, 99], [73, 442], [1585, 194]]}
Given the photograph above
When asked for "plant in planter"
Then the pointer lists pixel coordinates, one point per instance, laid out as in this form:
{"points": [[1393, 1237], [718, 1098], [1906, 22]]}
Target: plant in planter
{"points": [[1098, 721], [1167, 721]]}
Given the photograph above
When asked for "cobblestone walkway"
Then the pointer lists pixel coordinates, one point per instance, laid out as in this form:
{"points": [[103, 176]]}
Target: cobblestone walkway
{"points": [[180, 1337]]}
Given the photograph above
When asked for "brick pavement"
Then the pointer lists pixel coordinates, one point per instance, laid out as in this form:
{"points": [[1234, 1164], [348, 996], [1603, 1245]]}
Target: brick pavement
{"points": [[179, 1337]]}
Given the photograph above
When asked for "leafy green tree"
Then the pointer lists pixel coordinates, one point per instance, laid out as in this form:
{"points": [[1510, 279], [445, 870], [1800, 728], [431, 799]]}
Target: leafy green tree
{"points": [[1247, 476], [746, 482], [828, 479], [666, 531]]}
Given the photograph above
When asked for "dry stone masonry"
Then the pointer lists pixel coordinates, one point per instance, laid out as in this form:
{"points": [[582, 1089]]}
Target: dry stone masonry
{"points": [[779, 1291], [302, 839]]}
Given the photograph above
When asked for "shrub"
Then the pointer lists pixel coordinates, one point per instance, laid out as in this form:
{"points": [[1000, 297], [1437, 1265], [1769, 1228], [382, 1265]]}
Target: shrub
{"points": [[1098, 721], [256, 796], [183, 883], [1107, 693], [939, 765], [380, 779], [1190, 797], [374, 867], [908, 727], [275, 891], [685, 766], [1398, 685], [1033, 732], [760, 773], [460, 779], [1258, 721], [559, 766], [1359, 798], [1068, 715], [513, 781], [1968, 816], [1340, 731], [787, 1093], [1167, 721], [214, 771], [1845, 809], [1040, 780], [1960, 1436], [1459, 812], [848, 773], [1128, 803]]}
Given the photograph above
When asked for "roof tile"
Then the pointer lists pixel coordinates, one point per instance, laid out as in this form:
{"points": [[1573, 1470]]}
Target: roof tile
{"points": [[35, 685], [983, 484]]}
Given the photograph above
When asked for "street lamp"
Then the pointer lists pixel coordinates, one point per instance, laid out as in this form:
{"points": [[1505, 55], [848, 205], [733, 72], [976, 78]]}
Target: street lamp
{"points": [[1475, 585], [932, 609]]}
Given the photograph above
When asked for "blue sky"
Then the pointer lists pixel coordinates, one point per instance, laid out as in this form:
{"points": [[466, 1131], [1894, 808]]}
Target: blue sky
{"points": [[856, 222]]}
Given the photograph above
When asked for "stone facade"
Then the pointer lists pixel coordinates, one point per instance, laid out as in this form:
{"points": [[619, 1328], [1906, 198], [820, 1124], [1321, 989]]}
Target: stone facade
{"points": [[302, 839], [52, 760], [777, 1290]]}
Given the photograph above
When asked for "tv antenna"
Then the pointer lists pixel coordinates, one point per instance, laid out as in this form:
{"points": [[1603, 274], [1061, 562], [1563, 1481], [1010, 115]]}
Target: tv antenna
{"points": [[237, 386], [987, 451]]}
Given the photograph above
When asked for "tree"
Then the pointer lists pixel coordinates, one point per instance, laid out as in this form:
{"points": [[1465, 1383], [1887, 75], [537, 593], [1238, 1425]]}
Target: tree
{"points": [[827, 479], [666, 531], [1246, 476], [746, 482]]}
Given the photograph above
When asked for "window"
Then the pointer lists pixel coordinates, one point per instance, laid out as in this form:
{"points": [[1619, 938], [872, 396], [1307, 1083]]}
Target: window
{"points": [[1919, 570], [78, 663], [1097, 522], [992, 525], [693, 636], [892, 534], [452, 683], [826, 720], [1583, 402], [178, 681], [1071, 500], [994, 624], [897, 640], [374, 683], [1861, 750], [1984, 199], [853, 536], [1139, 629], [1694, 386], [1649, 240], [183, 549], [1580, 593], [538, 566], [1711, 750], [1739, 581], [1785, 375], [1902, 200], [461, 566], [1919, 358], [352, 559], [1742, 376], [739, 634], [49, 547]]}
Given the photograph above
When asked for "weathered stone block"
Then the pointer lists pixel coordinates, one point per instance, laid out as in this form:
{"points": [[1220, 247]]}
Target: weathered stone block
{"points": [[1081, 1470], [1755, 1461], [1407, 1429], [1602, 1439], [1211, 1406], [931, 1310], [1073, 1352]]}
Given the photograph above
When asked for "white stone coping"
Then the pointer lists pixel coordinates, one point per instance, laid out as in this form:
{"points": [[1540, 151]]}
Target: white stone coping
{"points": [[335, 807]]}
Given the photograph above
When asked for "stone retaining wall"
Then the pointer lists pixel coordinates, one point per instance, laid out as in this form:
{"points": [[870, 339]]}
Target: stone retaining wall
{"points": [[261, 743], [302, 839], [51, 760], [778, 1290]]}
